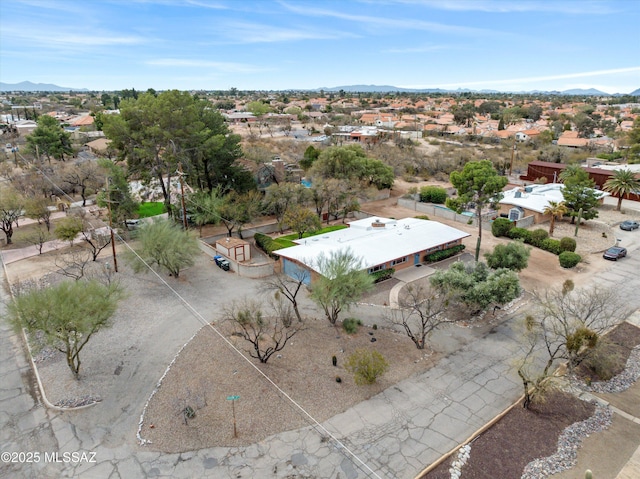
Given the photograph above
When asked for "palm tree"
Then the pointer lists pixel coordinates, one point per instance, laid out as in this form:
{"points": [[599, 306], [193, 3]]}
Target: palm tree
{"points": [[623, 182], [556, 210]]}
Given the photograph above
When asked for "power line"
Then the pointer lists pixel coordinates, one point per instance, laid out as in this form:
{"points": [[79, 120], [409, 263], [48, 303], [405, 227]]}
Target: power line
{"points": [[194, 312]]}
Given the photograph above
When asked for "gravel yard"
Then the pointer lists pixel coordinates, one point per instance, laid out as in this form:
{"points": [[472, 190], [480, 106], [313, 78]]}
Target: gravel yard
{"points": [[152, 325]]}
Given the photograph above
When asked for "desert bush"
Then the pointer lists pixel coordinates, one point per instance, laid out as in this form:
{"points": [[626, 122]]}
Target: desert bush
{"points": [[567, 244], [603, 362], [501, 226], [350, 325], [433, 194], [513, 255], [538, 236], [520, 233], [366, 365], [422, 217], [568, 259]]}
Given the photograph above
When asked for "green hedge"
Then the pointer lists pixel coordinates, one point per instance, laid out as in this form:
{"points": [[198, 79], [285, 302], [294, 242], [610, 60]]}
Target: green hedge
{"points": [[433, 194], [267, 244], [382, 274], [520, 233], [569, 259], [538, 238], [551, 245], [443, 254]]}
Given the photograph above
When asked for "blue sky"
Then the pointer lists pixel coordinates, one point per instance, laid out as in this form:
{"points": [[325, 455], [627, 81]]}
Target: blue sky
{"points": [[510, 45]]}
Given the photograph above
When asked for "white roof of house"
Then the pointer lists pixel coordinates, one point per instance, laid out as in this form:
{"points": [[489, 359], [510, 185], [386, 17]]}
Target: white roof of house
{"points": [[537, 197], [375, 245]]}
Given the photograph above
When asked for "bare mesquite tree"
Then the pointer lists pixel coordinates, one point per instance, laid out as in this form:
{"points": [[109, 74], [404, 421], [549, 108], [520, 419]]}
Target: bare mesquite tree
{"points": [[266, 332], [421, 312], [566, 325], [288, 287]]}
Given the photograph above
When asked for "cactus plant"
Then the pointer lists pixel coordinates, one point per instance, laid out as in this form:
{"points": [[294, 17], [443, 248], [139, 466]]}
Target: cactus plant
{"points": [[588, 474]]}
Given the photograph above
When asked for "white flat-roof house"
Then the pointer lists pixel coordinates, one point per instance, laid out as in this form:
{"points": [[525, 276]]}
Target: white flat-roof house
{"points": [[532, 201], [381, 243]]}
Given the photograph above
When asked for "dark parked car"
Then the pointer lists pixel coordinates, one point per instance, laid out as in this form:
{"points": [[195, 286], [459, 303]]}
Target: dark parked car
{"points": [[629, 225], [614, 253]]}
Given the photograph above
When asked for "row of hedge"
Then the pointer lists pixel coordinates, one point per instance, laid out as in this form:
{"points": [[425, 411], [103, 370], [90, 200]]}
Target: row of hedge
{"points": [[267, 244], [382, 274], [443, 254], [540, 239]]}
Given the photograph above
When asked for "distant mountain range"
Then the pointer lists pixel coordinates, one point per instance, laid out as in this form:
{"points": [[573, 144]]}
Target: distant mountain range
{"points": [[29, 86], [389, 89]]}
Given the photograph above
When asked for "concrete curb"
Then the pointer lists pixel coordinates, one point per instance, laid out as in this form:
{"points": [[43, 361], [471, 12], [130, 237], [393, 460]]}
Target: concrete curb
{"points": [[43, 394]]}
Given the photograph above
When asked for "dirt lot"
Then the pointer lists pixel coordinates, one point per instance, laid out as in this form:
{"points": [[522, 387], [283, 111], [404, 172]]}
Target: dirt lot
{"points": [[211, 378]]}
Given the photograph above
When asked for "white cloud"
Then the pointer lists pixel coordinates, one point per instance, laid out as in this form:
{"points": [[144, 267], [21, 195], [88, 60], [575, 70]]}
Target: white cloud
{"points": [[227, 67], [537, 79], [381, 22], [237, 32], [46, 38], [517, 6], [417, 49]]}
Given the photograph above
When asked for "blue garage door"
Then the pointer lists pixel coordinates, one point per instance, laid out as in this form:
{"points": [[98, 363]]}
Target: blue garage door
{"points": [[296, 271]]}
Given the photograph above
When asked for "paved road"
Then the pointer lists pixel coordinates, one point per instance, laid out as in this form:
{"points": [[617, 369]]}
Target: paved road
{"points": [[395, 433]]}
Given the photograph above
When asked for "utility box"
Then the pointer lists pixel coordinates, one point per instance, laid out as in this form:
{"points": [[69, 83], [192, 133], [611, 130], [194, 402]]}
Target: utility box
{"points": [[235, 248]]}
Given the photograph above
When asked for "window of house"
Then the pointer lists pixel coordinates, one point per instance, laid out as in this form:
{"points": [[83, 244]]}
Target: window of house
{"points": [[377, 268], [399, 261]]}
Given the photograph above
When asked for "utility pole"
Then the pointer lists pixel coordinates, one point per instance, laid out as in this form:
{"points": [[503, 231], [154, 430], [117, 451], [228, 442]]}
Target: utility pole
{"points": [[184, 207], [113, 241], [513, 151]]}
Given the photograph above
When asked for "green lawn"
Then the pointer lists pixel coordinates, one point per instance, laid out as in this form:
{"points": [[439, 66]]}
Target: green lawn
{"points": [[294, 236], [150, 209]]}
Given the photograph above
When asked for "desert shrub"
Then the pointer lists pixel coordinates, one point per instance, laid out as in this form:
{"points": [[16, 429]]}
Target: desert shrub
{"points": [[433, 194], [568, 259], [538, 236], [603, 362], [551, 245], [422, 217], [513, 255], [382, 274], [567, 244], [350, 325], [501, 226], [520, 233], [366, 366], [443, 254]]}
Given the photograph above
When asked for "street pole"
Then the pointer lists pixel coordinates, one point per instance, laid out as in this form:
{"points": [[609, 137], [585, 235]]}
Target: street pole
{"points": [[513, 151], [113, 241]]}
